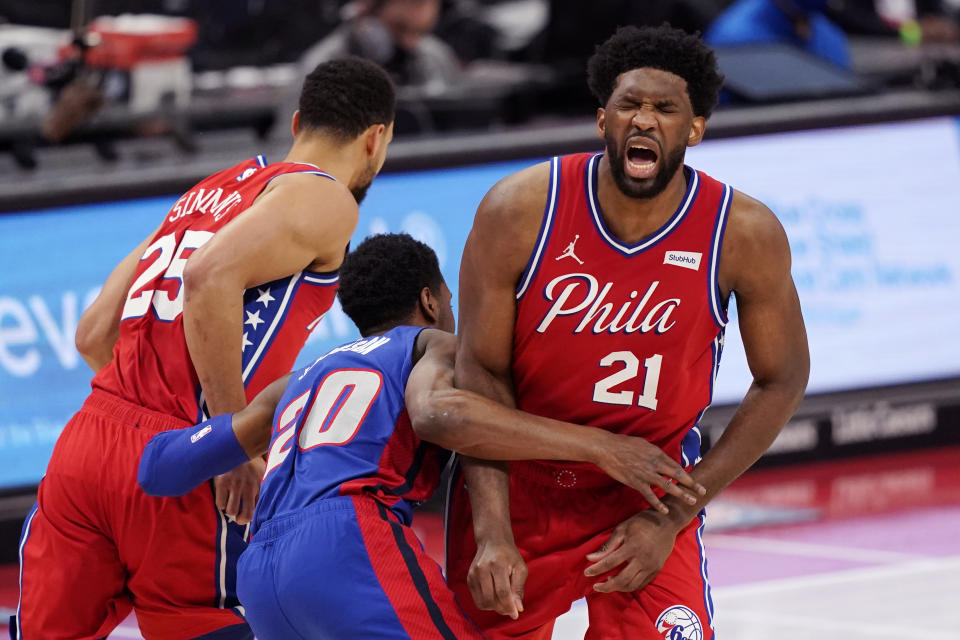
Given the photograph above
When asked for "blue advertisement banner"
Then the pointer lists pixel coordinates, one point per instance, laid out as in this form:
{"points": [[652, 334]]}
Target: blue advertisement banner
{"points": [[873, 240]]}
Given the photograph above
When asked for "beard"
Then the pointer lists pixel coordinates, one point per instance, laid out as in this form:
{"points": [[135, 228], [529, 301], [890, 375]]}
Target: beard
{"points": [[359, 190], [650, 187]]}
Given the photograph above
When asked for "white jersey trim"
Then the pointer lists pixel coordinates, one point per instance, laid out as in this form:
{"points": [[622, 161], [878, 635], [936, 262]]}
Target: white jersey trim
{"points": [[715, 248], [551, 207], [692, 189]]}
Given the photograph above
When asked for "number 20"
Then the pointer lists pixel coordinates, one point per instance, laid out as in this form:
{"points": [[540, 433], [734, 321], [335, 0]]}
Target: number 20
{"points": [[648, 399], [343, 399]]}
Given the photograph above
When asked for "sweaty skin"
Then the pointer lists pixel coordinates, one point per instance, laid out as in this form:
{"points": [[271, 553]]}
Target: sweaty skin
{"points": [[754, 265]]}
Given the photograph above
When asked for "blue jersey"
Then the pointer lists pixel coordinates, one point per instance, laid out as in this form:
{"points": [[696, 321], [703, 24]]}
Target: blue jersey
{"points": [[341, 428]]}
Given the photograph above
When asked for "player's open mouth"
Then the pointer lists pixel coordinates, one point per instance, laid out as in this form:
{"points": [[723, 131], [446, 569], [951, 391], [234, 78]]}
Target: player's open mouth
{"points": [[641, 160]]}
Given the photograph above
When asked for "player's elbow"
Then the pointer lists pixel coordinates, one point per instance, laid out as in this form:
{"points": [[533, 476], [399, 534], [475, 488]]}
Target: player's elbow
{"points": [[95, 338], [436, 416], [204, 276]]}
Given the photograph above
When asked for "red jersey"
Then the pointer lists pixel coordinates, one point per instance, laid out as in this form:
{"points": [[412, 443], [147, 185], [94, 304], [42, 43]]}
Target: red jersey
{"points": [[622, 337], [151, 365]]}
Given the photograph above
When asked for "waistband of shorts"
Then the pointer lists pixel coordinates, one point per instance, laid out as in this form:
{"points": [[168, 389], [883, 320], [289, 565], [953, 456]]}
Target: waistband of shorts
{"points": [[110, 406], [559, 475], [279, 525]]}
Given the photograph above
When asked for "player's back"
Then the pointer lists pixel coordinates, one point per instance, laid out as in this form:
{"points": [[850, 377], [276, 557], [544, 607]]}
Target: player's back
{"points": [[341, 428], [625, 337], [151, 364]]}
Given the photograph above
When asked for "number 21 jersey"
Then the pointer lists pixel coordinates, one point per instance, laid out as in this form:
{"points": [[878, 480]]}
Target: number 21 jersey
{"points": [[151, 364], [624, 337]]}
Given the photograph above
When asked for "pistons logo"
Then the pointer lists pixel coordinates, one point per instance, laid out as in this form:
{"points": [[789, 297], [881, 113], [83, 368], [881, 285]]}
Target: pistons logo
{"points": [[679, 623]]}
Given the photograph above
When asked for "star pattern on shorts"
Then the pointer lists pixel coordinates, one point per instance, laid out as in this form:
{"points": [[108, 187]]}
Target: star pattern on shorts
{"points": [[246, 341]]}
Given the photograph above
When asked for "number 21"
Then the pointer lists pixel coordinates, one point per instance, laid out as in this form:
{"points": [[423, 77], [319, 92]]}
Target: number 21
{"points": [[648, 399]]}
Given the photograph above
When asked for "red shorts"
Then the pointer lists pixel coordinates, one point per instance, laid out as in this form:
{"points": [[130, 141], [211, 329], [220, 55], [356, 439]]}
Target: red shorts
{"points": [[555, 526], [96, 546]]}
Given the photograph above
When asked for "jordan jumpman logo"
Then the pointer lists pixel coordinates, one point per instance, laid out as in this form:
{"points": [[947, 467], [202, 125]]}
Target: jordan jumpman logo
{"points": [[568, 252]]}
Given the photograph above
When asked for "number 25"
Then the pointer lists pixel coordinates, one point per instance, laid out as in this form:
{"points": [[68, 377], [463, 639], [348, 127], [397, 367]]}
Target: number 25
{"points": [[171, 263], [648, 399]]}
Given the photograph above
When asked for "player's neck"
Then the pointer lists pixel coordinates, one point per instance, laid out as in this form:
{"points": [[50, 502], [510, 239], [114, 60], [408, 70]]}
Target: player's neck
{"points": [[329, 156], [633, 219]]}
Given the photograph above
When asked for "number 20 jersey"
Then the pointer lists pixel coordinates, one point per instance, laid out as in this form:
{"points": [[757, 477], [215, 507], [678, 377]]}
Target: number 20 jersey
{"points": [[624, 337], [151, 365], [342, 429]]}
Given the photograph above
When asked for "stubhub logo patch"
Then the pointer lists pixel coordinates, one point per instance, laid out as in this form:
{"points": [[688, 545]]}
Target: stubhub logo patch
{"points": [[686, 259]]}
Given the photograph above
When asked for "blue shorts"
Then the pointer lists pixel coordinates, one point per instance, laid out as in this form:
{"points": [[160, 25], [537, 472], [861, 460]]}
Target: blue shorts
{"points": [[345, 568]]}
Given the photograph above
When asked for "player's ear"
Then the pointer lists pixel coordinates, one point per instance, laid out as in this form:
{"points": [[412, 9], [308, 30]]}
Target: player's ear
{"points": [[373, 136], [697, 129], [429, 306], [295, 123], [601, 122]]}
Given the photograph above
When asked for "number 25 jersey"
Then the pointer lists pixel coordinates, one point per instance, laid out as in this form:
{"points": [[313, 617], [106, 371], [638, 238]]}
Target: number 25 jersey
{"points": [[624, 337], [151, 364]]}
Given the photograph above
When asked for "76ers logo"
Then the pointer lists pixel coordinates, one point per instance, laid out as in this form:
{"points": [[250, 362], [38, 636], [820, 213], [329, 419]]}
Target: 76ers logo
{"points": [[679, 623]]}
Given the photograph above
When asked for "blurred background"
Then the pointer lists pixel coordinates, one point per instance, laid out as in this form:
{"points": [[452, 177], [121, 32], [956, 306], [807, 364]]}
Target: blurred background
{"points": [[843, 116]]}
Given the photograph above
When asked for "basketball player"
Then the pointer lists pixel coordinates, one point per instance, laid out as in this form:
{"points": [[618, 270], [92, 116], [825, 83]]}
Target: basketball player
{"points": [[629, 342], [333, 554], [208, 310]]}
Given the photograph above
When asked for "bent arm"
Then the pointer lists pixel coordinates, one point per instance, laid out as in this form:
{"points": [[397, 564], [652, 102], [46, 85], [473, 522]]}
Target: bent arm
{"points": [[500, 243], [302, 220], [176, 462], [771, 325], [99, 326]]}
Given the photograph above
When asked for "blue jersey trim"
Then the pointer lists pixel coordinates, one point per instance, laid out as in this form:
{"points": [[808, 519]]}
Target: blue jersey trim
{"points": [[716, 246], [310, 171], [275, 326], [707, 596], [18, 631], [689, 196], [262, 160], [543, 237]]}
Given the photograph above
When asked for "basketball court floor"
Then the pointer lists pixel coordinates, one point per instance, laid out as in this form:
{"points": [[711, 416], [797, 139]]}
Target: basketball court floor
{"points": [[867, 548]]}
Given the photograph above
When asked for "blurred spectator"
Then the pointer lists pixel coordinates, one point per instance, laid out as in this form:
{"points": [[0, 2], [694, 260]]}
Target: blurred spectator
{"points": [[801, 23], [914, 21], [397, 35], [575, 27]]}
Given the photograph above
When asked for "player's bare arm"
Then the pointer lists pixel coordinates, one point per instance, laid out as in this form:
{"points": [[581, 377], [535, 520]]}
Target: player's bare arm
{"points": [[300, 221], [99, 326], [755, 266], [476, 426], [497, 249]]}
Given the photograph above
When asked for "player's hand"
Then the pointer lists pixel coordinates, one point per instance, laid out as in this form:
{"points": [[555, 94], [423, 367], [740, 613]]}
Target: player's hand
{"points": [[642, 543], [236, 491], [496, 578], [641, 465]]}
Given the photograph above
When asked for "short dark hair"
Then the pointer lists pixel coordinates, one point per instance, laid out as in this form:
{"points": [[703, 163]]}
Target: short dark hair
{"points": [[664, 48], [343, 97], [381, 280]]}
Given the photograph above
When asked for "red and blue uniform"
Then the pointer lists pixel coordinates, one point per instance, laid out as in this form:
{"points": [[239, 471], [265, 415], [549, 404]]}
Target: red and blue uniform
{"points": [[96, 545], [620, 337], [332, 554]]}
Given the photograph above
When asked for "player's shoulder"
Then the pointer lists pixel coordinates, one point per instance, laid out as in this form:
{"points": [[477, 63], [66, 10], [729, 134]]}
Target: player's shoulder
{"points": [[751, 221], [325, 199], [755, 244], [509, 216], [518, 196], [440, 345]]}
